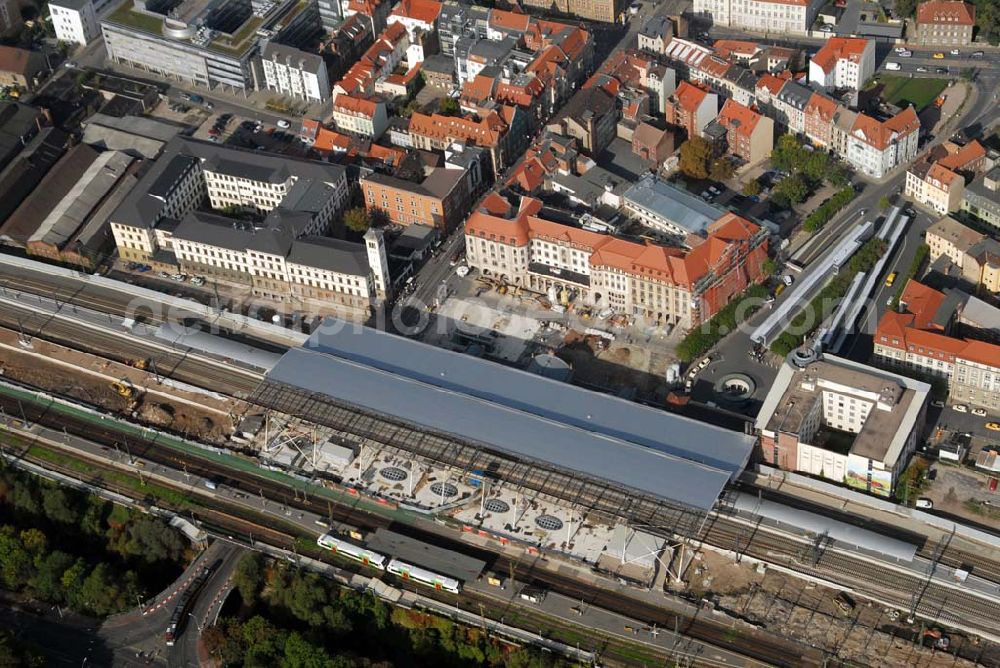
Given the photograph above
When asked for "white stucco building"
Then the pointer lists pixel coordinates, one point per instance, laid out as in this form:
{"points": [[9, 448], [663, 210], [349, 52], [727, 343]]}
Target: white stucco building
{"points": [[294, 73], [765, 16], [843, 62]]}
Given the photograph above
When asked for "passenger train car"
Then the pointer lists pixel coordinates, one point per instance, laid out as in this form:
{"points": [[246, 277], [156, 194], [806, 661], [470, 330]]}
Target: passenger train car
{"points": [[352, 551], [412, 573]]}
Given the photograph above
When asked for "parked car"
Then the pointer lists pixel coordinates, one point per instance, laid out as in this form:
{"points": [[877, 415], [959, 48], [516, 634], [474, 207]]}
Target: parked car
{"points": [[197, 99], [925, 503], [904, 53], [979, 412], [787, 279], [893, 67], [941, 70], [890, 279], [937, 403], [938, 56], [993, 426], [956, 52], [705, 362], [283, 124], [977, 55], [921, 68], [180, 278], [960, 408]]}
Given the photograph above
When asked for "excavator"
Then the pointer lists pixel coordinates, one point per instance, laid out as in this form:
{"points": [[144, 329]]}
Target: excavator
{"points": [[140, 363], [126, 390]]}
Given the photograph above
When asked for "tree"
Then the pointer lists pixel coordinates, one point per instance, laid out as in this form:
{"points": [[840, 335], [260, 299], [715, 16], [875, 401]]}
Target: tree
{"points": [[357, 220], [770, 267], [722, 170], [791, 190], [448, 106], [905, 8], [694, 157], [752, 188], [884, 203], [249, 577]]}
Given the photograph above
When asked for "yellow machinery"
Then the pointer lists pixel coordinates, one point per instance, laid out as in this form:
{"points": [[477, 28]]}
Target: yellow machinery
{"points": [[126, 390], [140, 363]]}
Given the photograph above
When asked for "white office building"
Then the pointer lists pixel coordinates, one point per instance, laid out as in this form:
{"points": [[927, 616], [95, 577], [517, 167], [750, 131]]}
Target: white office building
{"points": [[773, 17], [294, 73], [75, 21]]}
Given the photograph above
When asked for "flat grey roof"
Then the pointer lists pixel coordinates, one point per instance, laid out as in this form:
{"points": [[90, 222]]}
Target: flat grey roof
{"points": [[817, 524], [418, 553], [344, 257], [518, 413], [673, 204]]}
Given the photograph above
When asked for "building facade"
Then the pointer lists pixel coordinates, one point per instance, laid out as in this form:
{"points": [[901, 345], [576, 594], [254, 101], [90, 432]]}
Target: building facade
{"points": [[749, 136], [173, 219], [294, 73], [933, 186], [360, 117], [765, 16], [981, 197], [877, 147], [439, 200], [945, 23], [843, 63], [844, 421], [513, 241], [75, 21]]}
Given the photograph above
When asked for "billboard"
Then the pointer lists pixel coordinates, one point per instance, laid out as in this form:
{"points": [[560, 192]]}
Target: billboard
{"points": [[875, 481]]}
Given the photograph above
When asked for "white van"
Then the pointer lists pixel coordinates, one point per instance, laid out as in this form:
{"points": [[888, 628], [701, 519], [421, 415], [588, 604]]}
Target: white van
{"points": [[893, 67]]}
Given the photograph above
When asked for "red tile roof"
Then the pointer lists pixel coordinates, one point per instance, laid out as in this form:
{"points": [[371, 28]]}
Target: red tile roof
{"points": [[949, 13], [503, 20], [922, 302], [425, 11], [483, 132], [727, 48], [355, 106], [879, 134], [964, 156], [821, 106], [840, 48], [689, 97], [772, 83], [737, 117]]}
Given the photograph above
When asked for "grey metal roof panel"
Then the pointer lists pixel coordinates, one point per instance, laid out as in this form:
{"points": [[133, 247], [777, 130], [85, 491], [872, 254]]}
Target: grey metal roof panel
{"points": [[214, 230], [502, 428], [418, 553], [670, 202], [818, 524]]}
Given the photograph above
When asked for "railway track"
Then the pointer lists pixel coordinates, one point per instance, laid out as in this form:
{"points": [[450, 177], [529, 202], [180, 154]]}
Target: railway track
{"points": [[754, 645], [934, 600], [178, 365]]}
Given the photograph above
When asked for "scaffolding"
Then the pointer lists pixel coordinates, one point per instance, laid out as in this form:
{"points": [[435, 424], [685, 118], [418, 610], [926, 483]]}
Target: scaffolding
{"points": [[607, 500]]}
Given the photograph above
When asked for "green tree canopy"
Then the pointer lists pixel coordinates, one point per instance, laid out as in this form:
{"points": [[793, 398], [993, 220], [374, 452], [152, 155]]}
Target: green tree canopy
{"points": [[695, 155], [357, 219]]}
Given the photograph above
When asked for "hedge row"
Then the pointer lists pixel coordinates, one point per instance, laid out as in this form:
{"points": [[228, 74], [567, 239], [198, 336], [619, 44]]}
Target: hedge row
{"points": [[821, 216]]}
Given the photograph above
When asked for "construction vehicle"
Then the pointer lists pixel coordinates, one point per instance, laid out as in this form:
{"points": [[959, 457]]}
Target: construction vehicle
{"points": [[126, 390], [140, 363]]}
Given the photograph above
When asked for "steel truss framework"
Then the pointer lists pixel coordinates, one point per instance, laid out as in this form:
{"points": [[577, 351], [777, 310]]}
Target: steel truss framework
{"points": [[607, 500]]}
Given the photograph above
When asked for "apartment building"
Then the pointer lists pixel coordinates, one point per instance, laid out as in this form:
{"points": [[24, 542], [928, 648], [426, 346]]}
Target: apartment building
{"points": [[844, 421], [790, 104], [437, 197], [692, 108], [502, 131], [172, 219], [937, 180], [360, 117], [418, 16], [605, 11], [909, 340], [21, 67], [764, 16], [75, 21], [976, 256], [818, 119], [294, 73], [589, 117], [843, 63], [876, 147], [982, 197], [749, 135], [945, 23], [512, 238]]}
